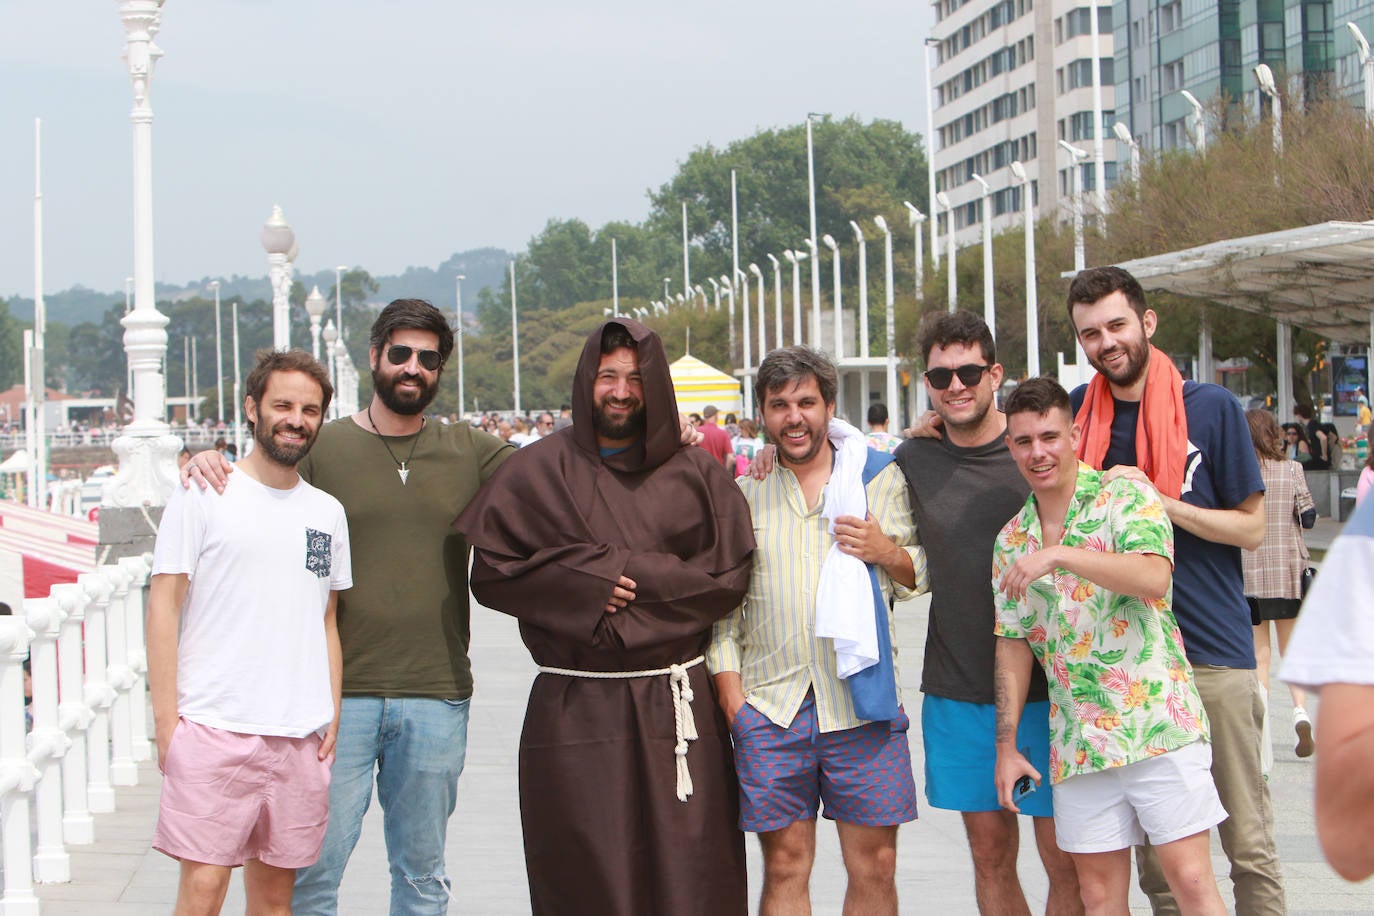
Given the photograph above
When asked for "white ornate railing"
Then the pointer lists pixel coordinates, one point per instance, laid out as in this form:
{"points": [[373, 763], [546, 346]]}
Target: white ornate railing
{"points": [[90, 728]]}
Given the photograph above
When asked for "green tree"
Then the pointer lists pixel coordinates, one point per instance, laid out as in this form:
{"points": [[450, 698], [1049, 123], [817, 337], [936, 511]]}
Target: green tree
{"points": [[11, 348]]}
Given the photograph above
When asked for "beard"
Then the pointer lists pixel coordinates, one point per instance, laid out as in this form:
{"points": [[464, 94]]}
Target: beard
{"points": [[1137, 361], [406, 404], [286, 455], [631, 426]]}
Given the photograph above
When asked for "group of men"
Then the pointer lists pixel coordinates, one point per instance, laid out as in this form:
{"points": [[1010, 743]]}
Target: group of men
{"points": [[649, 584]]}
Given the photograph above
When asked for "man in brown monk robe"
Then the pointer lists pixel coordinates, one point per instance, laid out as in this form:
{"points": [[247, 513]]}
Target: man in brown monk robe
{"points": [[638, 545]]}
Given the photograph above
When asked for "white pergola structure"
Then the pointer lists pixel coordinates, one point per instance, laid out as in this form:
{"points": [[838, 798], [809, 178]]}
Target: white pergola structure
{"points": [[1319, 277]]}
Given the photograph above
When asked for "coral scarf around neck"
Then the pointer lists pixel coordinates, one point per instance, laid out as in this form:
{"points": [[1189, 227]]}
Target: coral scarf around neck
{"points": [[1161, 431]]}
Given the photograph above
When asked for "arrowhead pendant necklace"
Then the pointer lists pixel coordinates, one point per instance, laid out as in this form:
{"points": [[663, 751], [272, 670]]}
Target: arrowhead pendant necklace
{"points": [[402, 467]]}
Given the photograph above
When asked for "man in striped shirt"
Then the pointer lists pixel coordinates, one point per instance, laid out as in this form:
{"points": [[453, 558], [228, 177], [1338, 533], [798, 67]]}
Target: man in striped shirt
{"points": [[798, 740]]}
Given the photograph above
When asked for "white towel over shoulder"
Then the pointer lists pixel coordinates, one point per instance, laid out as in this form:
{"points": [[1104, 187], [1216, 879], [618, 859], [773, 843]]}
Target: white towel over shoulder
{"points": [[844, 603]]}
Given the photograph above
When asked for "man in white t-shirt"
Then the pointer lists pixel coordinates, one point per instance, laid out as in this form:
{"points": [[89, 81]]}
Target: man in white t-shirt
{"points": [[246, 698], [1332, 654]]}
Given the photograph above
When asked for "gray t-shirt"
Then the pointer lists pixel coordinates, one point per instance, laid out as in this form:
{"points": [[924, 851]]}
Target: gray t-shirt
{"points": [[962, 497]]}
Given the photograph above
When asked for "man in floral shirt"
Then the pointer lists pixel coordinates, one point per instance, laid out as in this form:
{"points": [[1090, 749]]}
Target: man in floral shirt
{"points": [[1083, 580]]}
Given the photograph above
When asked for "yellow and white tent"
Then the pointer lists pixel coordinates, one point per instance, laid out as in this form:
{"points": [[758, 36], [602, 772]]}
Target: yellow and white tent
{"points": [[697, 384]]}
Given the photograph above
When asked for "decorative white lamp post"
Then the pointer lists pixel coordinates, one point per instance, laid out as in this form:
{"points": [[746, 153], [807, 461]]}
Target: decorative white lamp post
{"points": [[863, 289], [147, 450], [1018, 171], [743, 279], [331, 342], [811, 239], [989, 306], [715, 288], [889, 314], [615, 282], [279, 241], [315, 307], [815, 293], [942, 199], [1099, 139], [836, 303]]}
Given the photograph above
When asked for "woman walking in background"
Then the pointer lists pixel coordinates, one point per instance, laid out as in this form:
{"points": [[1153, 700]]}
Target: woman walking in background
{"points": [[1273, 573]]}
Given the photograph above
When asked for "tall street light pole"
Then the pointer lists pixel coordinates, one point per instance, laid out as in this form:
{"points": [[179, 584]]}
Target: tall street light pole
{"points": [[1366, 68], [1265, 78], [686, 257], [932, 44], [744, 336], [952, 286], [863, 289], [917, 220], [715, 288], [37, 422], [815, 297], [811, 239], [1080, 256], [1123, 135], [763, 311], [835, 296], [777, 298], [219, 358], [989, 306], [238, 397], [1099, 154], [795, 258], [1018, 171], [461, 331], [889, 315], [1199, 122], [338, 299], [515, 338], [615, 282], [147, 450]]}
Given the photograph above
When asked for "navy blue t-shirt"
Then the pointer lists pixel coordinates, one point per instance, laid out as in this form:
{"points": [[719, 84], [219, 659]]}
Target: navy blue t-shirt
{"points": [[1221, 473]]}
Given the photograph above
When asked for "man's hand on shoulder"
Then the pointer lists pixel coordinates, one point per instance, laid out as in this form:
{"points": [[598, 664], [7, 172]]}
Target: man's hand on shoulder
{"points": [[207, 468], [928, 426], [762, 465]]}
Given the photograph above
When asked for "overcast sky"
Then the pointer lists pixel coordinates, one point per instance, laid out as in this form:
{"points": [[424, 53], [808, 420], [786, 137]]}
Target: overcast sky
{"points": [[396, 133]]}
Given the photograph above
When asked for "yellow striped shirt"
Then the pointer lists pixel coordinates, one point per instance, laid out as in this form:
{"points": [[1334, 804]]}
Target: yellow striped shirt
{"points": [[768, 639]]}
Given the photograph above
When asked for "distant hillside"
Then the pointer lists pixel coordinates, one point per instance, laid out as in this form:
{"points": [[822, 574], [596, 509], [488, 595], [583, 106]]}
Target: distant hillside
{"points": [[481, 267]]}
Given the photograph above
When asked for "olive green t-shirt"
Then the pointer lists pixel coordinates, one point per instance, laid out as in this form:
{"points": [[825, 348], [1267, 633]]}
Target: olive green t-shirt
{"points": [[404, 624]]}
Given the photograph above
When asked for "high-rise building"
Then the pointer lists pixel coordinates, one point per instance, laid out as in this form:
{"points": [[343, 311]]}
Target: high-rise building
{"points": [[1010, 79], [1164, 47]]}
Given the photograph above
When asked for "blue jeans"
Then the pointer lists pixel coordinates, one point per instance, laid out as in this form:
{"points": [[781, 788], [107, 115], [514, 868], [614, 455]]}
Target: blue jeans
{"points": [[416, 747]]}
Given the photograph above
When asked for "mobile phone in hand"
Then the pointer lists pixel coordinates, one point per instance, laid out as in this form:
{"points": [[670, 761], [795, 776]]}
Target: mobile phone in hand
{"points": [[1023, 787]]}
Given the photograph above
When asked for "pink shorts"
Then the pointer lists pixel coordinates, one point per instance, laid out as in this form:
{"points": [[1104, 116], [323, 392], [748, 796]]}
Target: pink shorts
{"points": [[229, 797]]}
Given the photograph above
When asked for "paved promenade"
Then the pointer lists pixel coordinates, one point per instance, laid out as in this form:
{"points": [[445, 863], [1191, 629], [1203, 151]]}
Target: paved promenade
{"points": [[119, 874]]}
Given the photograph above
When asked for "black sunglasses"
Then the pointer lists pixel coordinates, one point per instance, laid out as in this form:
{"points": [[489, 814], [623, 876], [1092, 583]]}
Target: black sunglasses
{"points": [[969, 375], [399, 355]]}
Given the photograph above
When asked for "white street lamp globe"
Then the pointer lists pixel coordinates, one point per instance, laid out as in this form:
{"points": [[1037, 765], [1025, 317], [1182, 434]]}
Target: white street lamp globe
{"points": [[277, 237], [314, 304]]}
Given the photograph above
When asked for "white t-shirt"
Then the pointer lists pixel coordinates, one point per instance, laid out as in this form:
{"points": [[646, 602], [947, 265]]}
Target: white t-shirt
{"points": [[1333, 642], [252, 656]]}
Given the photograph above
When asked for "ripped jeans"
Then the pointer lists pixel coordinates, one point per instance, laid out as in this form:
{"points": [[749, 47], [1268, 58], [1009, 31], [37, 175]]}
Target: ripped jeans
{"points": [[416, 748]]}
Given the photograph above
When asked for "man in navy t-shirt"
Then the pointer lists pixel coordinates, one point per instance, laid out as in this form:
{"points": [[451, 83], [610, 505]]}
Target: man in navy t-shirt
{"points": [[1192, 443]]}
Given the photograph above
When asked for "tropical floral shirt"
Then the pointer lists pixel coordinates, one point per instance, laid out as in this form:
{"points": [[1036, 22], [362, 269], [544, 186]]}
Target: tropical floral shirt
{"points": [[1121, 689]]}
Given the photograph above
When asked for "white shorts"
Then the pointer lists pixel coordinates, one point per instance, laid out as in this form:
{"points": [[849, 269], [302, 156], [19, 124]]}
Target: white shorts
{"points": [[1166, 798]]}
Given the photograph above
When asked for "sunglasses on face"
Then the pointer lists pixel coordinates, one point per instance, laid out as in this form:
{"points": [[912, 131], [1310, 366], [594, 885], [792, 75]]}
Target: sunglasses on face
{"points": [[399, 355], [969, 375]]}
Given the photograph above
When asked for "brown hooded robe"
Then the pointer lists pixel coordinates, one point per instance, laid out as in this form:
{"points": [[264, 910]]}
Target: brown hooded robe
{"points": [[552, 532]]}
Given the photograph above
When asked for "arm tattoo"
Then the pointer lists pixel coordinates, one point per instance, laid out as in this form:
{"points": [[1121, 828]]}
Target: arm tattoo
{"points": [[1006, 718]]}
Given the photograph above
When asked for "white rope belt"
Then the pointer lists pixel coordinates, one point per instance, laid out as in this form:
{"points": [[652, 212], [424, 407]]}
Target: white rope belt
{"points": [[685, 722]]}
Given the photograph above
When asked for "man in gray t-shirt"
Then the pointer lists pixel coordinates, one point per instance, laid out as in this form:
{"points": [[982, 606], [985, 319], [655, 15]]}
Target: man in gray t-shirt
{"points": [[964, 487]]}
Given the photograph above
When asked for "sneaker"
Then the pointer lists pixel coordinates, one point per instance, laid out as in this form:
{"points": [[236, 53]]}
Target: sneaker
{"points": [[1303, 727]]}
